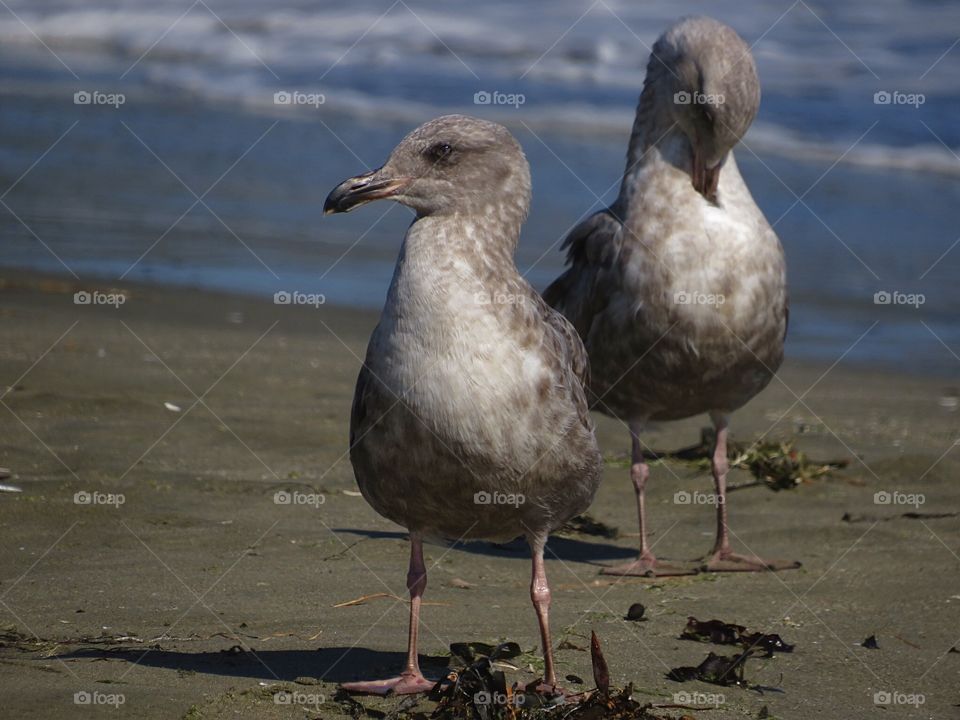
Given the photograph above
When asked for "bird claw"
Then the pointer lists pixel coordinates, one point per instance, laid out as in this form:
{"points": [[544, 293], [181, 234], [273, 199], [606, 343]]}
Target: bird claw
{"points": [[405, 684], [647, 566], [726, 561]]}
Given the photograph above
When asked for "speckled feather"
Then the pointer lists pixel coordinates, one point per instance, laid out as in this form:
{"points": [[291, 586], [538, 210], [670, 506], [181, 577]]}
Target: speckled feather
{"points": [[472, 383], [652, 357]]}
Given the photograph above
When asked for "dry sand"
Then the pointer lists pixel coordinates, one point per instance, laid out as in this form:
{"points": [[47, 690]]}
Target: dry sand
{"points": [[226, 597]]}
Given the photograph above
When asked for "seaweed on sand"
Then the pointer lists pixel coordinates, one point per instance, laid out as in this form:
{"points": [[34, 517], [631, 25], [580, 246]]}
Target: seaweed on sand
{"points": [[778, 464], [723, 633], [479, 691]]}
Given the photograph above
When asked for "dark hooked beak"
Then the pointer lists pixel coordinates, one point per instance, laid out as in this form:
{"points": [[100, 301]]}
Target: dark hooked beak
{"points": [[360, 190], [705, 179]]}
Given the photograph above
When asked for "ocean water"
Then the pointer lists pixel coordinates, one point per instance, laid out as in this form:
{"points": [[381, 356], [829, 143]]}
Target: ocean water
{"points": [[200, 177]]}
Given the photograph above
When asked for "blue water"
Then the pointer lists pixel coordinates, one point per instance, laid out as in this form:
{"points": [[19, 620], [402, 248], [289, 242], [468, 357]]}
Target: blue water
{"points": [[199, 116]]}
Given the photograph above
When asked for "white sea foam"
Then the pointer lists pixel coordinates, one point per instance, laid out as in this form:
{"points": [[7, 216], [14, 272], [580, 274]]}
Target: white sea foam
{"points": [[578, 77], [609, 44]]}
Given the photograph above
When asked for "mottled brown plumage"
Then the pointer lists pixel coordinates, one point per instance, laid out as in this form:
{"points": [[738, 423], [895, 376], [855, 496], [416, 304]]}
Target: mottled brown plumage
{"points": [[679, 288], [470, 418]]}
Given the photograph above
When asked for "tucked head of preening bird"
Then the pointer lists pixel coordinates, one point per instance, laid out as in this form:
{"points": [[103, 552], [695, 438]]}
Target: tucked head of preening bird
{"points": [[453, 164], [705, 81]]}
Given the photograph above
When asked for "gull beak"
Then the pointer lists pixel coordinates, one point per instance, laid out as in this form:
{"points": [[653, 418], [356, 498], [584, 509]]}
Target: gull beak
{"points": [[705, 179], [359, 190]]}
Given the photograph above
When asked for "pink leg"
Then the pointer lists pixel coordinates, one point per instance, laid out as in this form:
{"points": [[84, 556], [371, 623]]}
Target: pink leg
{"points": [[646, 564], [540, 595], [411, 680], [722, 558]]}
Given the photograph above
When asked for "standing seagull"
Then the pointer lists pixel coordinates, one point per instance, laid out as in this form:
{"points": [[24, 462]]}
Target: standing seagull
{"points": [[679, 288], [470, 418]]}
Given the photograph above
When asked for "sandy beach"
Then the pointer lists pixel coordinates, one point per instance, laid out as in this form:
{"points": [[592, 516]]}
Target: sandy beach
{"points": [[189, 537]]}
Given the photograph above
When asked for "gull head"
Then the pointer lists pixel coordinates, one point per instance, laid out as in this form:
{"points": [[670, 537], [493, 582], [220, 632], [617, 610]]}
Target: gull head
{"points": [[706, 83], [453, 164]]}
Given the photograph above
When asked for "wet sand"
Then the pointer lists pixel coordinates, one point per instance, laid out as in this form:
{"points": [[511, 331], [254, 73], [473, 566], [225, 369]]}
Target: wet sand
{"points": [[201, 596]]}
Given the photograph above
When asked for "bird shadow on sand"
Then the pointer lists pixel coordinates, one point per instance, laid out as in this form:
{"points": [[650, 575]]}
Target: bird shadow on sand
{"points": [[333, 664], [560, 547]]}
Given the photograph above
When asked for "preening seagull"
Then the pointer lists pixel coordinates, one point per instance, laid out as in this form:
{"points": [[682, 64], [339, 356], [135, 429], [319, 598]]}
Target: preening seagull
{"points": [[678, 289]]}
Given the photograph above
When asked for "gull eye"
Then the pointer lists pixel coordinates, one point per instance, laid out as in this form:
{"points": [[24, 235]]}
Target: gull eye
{"points": [[439, 151]]}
